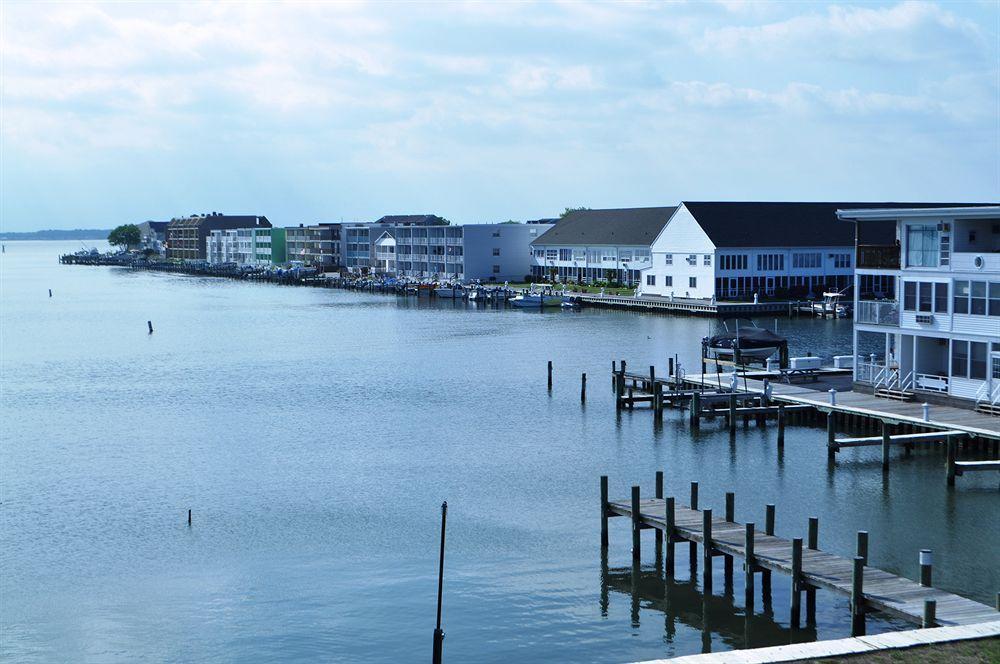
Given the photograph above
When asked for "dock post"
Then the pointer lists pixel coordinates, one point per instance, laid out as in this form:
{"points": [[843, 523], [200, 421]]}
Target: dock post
{"points": [[604, 511], [730, 506], [885, 447], [813, 542], [583, 388], [550, 375], [693, 553], [631, 399], [635, 524], [930, 613], [831, 445], [189, 517], [862, 548], [659, 534], [614, 376], [732, 414], [669, 520], [749, 567], [670, 367], [796, 582], [150, 324], [652, 377], [781, 426], [769, 519], [694, 495], [695, 410], [926, 562], [858, 597], [706, 550], [951, 461]]}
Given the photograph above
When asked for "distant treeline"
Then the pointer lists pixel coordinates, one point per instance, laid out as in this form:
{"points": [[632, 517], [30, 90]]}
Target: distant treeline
{"points": [[56, 234]]}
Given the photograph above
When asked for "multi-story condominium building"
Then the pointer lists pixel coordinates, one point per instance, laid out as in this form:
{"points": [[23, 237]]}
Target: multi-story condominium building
{"points": [[318, 245], [735, 250], [360, 239], [599, 245], [243, 246], [468, 252], [153, 234], [927, 312], [186, 237]]}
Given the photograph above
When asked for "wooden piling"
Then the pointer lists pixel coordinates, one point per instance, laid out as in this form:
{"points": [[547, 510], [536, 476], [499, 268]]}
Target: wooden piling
{"points": [[189, 517], [732, 414], [813, 542], [693, 551], [636, 542], [150, 324], [950, 467], [795, 614], [730, 506], [695, 410], [930, 613], [831, 445], [631, 399], [583, 388], [550, 375], [749, 567], [858, 597], [659, 494], [781, 426], [694, 495], [885, 447], [925, 567], [706, 550], [862, 547], [669, 535], [769, 519], [604, 511]]}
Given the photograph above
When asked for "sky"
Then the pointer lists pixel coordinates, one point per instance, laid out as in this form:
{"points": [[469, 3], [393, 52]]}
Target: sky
{"points": [[484, 112]]}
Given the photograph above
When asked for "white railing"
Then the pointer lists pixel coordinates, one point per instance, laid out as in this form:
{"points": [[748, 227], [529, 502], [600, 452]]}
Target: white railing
{"points": [[865, 372], [891, 379], [986, 395], [878, 312], [931, 383]]}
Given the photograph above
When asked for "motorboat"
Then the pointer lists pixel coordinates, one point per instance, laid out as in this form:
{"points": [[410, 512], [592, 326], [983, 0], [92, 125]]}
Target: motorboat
{"points": [[474, 295], [749, 341], [536, 300], [831, 306], [450, 292]]}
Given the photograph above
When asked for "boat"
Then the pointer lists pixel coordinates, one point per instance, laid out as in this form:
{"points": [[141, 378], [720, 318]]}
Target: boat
{"points": [[750, 341], [536, 300], [831, 306], [449, 291], [474, 295]]}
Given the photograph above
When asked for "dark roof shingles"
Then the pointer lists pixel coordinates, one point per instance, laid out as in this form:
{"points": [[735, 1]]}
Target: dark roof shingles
{"points": [[623, 227]]}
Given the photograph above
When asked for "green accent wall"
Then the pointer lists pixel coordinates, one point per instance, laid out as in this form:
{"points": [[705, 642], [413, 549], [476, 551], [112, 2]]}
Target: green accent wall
{"points": [[278, 246]]}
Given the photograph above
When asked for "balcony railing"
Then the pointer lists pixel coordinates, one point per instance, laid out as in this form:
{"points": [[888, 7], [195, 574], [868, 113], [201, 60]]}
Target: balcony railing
{"points": [[878, 256], [878, 312], [931, 383]]}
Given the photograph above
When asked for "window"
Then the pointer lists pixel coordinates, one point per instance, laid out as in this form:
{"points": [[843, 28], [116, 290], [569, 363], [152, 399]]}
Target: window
{"points": [[593, 255], [925, 295], [960, 358], [693, 282], [668, 280], [977, 360], [707, 260], [539, 253], [496, 251], [977, 303], [496, 269], [551, 254], [650, 279], [994, 303], [564, 254], [909, 296], [609, 254], [579, 254], [806, 260], [961, 297], [842, 260], [692, 259], [940, 298], [770, 262], [625, 255], [733, 262], [922, 245], [668, 259]]}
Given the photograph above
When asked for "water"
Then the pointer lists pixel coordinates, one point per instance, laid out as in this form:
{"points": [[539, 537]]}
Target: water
{"points": [[314, 434]]}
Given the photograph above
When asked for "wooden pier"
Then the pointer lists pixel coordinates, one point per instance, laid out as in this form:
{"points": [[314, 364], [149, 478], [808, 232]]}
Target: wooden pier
{"points": [[685, 305], [809, 568]]}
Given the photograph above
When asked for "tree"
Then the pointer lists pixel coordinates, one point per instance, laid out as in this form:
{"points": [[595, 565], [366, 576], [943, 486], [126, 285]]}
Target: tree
{"points": [[568, 210], [125, 236]]}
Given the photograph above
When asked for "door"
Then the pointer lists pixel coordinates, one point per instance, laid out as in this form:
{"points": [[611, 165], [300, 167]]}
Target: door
{"points": [[769, 286]]}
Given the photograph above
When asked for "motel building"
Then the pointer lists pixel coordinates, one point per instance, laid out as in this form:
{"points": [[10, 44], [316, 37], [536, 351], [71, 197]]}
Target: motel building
{"points": [[927, 309]]}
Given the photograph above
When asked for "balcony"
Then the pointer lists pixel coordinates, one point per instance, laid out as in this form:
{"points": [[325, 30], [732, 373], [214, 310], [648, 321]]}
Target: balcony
{"points": [[878, 312], [877, 257]]}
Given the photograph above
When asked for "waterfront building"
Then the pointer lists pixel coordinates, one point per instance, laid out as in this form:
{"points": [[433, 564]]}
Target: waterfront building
{"points": [[362, 240], [153, 234], [466, 252], [186, 237], [927, 309], [599, 245], [242, 246], [318, 245]]}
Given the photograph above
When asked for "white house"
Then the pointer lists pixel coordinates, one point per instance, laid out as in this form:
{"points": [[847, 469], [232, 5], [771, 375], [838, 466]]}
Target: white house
{"points": [[243, 246], [927, 312], [599, 245], [734, 250]]}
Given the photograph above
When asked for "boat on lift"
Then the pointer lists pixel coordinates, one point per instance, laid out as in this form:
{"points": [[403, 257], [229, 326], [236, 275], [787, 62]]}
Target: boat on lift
{"points": [[749, 341], [533, 300], [831, 306]]}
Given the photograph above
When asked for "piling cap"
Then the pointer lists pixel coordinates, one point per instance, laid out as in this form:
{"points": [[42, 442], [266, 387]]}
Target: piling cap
{"points": [[926, 557]]}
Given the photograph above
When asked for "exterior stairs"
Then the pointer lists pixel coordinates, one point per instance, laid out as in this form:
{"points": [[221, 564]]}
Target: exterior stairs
{"points": [[897, 395], [988, 408]]}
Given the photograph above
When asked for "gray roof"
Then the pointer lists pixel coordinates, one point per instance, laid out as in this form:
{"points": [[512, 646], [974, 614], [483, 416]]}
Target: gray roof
{"points": [[771, 224], [623, 226], [412, 219]]}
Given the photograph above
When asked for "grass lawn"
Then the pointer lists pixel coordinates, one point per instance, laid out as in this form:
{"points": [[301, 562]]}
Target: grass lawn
{"points": [[981, 651], [579, 289]]}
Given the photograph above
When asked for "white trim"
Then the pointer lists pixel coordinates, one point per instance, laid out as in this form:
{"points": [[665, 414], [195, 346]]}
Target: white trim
{"points": [[895, 213]]}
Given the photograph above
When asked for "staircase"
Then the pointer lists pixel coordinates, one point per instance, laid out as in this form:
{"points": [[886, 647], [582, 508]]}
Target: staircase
{"points": [[988, 401], [890, 393], [889, 385]]}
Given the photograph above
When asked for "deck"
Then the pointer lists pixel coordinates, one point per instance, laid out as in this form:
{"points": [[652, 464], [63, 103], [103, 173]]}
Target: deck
{"points": [[867, 405], [883, 591]]}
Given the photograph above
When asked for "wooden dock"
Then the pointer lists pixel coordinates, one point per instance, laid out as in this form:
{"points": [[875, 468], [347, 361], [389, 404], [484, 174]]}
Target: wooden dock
{"points": [[810, 568], [685, 305]]}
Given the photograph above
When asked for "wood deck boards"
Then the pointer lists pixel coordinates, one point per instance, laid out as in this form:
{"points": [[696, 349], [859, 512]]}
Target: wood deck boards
{"points": [[883, 591]]}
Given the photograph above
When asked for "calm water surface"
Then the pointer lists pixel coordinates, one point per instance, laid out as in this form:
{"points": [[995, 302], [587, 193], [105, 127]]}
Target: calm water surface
{"points": [[314, 433]]}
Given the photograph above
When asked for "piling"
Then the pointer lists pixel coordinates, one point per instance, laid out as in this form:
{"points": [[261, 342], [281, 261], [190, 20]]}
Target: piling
{"points": [[631, 399], [795, 615], [669, 520], [635, 524], [862, 548], [695, 410], [885, 447], [930, 613], [550, 375], [730, 506], [813, 544], [670, 366], [583, 388], [926, 562], [693, 554], [652, 377], [858, 597], [189, 517], [659, 494], [732, 414], [604, 511], [769, 519], [706, 549], [781, 426], [951, 461], [748, 568], [50, 292], [150, 324], [831, 445]]}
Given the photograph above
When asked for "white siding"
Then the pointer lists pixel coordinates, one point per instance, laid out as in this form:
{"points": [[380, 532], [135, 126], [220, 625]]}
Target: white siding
{"points": [[681, 237]]}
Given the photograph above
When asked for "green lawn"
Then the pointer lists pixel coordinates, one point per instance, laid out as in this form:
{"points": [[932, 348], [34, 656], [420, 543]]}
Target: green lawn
{"points": [[981, 651]]}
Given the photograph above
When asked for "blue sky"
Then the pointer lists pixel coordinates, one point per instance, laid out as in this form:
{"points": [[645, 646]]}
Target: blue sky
{"points": [[485, 111]]}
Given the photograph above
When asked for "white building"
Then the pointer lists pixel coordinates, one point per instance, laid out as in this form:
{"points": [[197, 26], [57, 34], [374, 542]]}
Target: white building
{"points": [[927, 308], [599, 245], [735, 250], [466, 252], [242, 246]]}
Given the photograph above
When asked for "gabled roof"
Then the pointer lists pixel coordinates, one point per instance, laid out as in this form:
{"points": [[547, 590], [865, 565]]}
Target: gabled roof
{"points": [[622, 226], [770, 224]]}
